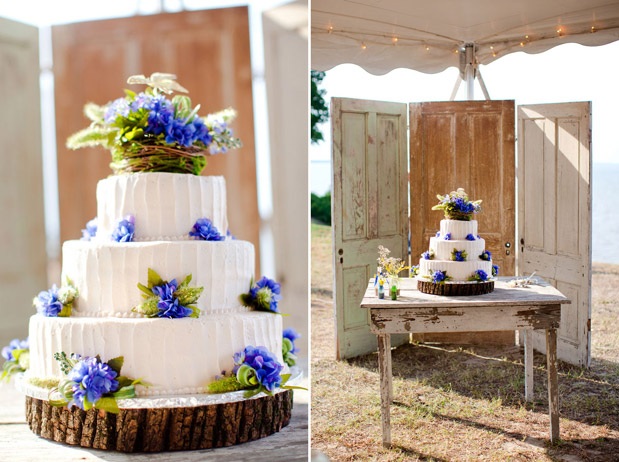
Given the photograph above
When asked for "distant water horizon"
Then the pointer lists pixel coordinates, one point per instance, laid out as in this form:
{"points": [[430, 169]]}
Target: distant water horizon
{"points": [[605, 208]]}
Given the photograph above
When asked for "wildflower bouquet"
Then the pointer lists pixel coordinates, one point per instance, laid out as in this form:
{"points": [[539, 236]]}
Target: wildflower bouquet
{"points": [[457, 205], [388, 266], [148, 132]]}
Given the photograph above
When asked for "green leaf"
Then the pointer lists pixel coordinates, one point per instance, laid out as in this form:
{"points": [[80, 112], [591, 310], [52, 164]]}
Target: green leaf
{"points": [[290, 387], [116, 364], [185, 282], [108, 404], [24, 359], [182, 105], [146, 290], [88, 137], [252, 392], [66, 310], [87, 404], [287, 346], [123, 381], [285, 378], [125, 392], [245, 374], [246, 300], [130, 93], [58, 402], [154, 279]]}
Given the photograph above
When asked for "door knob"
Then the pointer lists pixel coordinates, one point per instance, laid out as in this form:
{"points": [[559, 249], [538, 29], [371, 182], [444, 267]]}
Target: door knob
{"points": [[508, 245]]}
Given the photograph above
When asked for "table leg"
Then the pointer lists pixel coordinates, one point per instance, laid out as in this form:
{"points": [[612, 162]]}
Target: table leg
{"points": [[528, 365], [553, 383], [384, 369]]}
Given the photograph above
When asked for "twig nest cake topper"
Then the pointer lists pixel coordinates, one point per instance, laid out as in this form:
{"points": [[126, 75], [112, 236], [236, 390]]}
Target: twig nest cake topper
{"points": [[148, 132], [457, 205]]}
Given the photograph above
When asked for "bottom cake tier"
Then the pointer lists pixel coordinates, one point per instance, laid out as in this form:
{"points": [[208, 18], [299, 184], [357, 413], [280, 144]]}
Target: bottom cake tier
{"points": [[176, 356]]}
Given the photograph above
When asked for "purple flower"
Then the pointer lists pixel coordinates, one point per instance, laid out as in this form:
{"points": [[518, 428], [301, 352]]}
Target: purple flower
{"points": [[438, 276], [124, 230], [495, 270], [178, 131], [201, 131], [117, 107], [480, 275], [485, 255], [447, 237], [266, 293], [457, 255], [470, 237], [205, 230], [438, 234], [478, 237], [264, 364], [15, 344], [93, 379], [415, 270], [292, 335], [168, 305], [426, 255], [47, 302], [90, 231]]}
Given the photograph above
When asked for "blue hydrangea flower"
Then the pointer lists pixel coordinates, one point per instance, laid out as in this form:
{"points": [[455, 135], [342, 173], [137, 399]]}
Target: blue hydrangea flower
{"points": [[92, 380], [90, 231], [269, 290], [480, 275], [168, 305], [478, 237], [47, 302], [415, 270], [292, 335], [485, 255], [426, 255], [264, 364], [470, 237], [438, 276], [447, 237], [124, 230], [230, 235], [205, 230], [495, 270], [15, 344], [438, 234], [118, 107], [458, 256], [201, 131]]}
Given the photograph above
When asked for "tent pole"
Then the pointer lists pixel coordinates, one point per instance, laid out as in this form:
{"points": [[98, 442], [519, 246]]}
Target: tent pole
{"points": [[483, 86], [456, 87], [469, 70]]}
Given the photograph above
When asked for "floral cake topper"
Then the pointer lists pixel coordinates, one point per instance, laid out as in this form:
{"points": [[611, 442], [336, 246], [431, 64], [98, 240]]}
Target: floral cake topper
{"points": [[457, 205], [148, 132]]}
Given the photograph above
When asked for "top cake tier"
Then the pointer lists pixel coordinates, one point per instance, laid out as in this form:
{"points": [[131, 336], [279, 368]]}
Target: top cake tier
{"points": [[165, 205], [458, 229]]}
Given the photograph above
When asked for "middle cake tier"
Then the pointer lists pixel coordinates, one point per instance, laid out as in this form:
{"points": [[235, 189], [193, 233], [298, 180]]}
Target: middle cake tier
{"points": [[107, 274]]}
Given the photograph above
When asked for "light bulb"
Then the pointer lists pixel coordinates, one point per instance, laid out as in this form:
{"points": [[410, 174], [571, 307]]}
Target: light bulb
{"points": [[363, 46], [394, 40]]}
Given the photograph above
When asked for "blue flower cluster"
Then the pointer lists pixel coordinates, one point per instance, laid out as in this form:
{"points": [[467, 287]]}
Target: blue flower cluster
{"points": [[162, 119], [168, 304], [124, 230], [15, 344], [486, 255], [92, 380], [457, 255], [292, 335], [271, 289], [47, 302], [459, 204], [470, 237], [90, 231], [230, 235], [480, 275], [264, 364], [438, 234], [438, 276], [415, 270], [427, 255], [495, 270], [447, 237], [205, 230]]}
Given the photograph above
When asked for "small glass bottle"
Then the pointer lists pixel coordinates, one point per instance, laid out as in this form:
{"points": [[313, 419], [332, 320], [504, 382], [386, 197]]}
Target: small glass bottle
{"points": [[394, 292], [381, 290]]}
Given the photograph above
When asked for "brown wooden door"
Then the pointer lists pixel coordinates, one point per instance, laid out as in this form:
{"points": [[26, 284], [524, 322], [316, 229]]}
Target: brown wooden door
{"points": [[369, 208], [467, 144], [208, 51], [554, 214]]}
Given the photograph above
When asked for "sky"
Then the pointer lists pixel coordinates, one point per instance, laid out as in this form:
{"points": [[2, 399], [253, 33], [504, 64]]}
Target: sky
{"points": [[566, 73]]}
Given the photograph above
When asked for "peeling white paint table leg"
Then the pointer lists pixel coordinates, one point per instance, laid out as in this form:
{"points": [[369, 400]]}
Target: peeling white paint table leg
{"points": [[18, 443], [537, 307]]}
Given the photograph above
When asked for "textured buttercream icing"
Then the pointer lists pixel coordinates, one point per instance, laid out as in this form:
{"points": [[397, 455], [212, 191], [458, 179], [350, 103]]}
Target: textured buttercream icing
{"points": [[457, 270], [107, 274], [165, 205], [442, 248], [458, 229], [176, 356]]}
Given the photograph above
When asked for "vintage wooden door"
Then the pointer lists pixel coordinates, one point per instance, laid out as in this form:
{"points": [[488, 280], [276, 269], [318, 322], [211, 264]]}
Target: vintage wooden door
{"points": [[369, 208], [23, 265], [468, 144], [554, 214]]}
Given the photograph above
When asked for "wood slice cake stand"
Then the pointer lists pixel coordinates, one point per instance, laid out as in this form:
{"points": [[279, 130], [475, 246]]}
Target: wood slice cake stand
{"points": [[453, 289], [228, 420]]}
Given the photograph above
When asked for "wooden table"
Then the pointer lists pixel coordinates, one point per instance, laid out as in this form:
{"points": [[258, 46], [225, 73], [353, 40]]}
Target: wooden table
{"points": [[537, 307]]}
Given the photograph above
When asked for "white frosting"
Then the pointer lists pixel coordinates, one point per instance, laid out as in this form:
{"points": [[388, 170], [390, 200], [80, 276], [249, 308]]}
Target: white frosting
{"points": [[442, 248], [106, 274], [459, 229], [164, 205], [177, 356], [457, 270]]}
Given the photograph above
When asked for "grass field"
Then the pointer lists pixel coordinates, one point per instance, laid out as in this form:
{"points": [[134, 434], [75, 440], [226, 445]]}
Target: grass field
{"points": [[455, 403]]}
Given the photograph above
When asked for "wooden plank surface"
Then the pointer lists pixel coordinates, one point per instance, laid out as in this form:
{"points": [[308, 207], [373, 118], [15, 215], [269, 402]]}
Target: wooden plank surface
{"points": [[537, 294], [17, 442], [386, 385], [553, 383]]}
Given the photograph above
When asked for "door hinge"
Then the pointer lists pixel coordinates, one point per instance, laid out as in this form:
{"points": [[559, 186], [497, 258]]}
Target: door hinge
{"points": [[589, 325]]}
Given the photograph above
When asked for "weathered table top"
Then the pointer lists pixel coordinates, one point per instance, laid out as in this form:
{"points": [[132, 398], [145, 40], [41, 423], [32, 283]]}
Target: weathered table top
{"points": [[540, 293], [17, 442]]}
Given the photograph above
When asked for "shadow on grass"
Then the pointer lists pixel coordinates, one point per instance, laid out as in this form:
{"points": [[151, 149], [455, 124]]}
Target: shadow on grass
{"points": [[410, 452], [590, 396]]}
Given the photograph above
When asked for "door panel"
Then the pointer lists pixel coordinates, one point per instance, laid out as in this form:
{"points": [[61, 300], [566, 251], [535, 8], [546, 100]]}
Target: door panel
{"points": [[369, 208], [468, 144], [554, 189]]}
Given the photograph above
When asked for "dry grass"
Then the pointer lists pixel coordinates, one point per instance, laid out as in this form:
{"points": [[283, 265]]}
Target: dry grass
{"points": [[454, 403]]}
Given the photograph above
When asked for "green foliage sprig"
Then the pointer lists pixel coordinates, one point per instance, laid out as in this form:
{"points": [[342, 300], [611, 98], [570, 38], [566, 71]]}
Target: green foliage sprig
{"points": [[19, 363]]}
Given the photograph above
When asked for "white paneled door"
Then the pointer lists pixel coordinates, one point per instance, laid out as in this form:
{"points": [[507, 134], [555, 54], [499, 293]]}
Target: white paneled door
{"points": [[554, 214], [369, 207]]}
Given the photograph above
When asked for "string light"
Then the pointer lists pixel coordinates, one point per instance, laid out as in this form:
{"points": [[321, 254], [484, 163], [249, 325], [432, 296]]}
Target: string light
{"points": [[427, 48], [521, 44], [394, 40], [330, 29], [494, 54], [363, 46], [456, 51], [491, 47], [592, 29], [560, 32]]}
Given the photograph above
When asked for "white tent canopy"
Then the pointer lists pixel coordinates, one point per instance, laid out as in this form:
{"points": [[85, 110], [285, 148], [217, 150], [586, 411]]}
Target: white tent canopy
{"points": [[430, 36]]}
